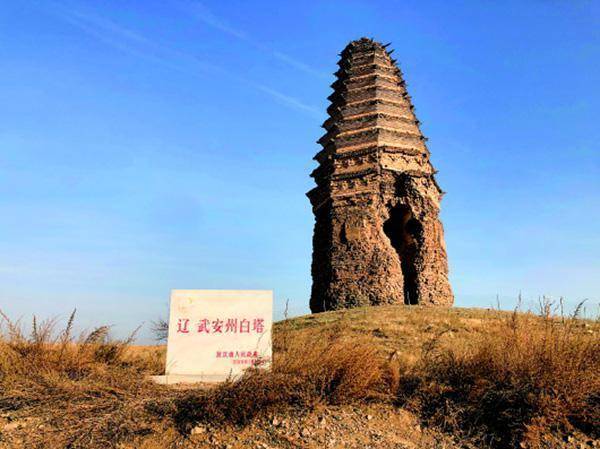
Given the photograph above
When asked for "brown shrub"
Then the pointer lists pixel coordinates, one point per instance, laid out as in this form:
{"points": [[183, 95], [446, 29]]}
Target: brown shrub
{"points": [[513, 384], [310, 368], [79, 392]]}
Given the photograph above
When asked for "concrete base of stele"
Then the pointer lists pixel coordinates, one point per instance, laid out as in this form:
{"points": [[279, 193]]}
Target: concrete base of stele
{"points": [[188, 379]]}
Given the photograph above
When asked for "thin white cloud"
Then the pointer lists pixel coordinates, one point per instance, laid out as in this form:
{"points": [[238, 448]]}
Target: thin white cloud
{"points": [[290, 101], [132, 42], [106, 25], [109, 33], [202, 13], [297, 64]]}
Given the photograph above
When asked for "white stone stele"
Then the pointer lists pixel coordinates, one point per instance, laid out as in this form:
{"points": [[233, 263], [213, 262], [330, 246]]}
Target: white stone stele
{"points": [[215, 335]]}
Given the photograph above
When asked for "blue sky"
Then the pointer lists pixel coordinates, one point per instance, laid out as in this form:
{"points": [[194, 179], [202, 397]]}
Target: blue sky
{"points": [[153, 145]]}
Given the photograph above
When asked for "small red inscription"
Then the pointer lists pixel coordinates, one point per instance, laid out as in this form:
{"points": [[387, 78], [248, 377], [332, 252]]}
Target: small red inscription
{"points": [[241, 357]]}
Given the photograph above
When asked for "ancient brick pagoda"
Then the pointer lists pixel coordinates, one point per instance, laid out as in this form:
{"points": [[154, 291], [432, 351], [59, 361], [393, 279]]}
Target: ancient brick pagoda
{"points": [[378, 238]]}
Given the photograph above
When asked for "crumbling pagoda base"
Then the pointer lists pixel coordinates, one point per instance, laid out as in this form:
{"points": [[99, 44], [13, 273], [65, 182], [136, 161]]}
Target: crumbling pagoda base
{"points": [[377, 238]]}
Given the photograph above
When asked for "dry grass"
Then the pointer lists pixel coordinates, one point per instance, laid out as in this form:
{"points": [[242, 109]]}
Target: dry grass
{"points": [[308, 369], [76, 392], [495, 378], [512, 386], [506, 383]]}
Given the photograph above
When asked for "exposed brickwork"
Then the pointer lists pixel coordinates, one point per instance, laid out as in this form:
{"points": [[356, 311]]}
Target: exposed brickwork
{"points": [[377, 237]]}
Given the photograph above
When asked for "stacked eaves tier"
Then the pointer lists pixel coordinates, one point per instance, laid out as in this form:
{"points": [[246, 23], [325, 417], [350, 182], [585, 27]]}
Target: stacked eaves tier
{"points": [[371, 127]]}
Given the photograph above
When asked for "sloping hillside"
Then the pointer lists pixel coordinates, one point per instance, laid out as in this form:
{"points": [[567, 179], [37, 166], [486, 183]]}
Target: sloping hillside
{"points": [[392, 376]]}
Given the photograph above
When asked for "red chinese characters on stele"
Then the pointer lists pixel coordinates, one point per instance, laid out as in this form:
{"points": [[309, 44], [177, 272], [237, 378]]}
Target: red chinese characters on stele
{"points": [[241, 357], [221, 326]]}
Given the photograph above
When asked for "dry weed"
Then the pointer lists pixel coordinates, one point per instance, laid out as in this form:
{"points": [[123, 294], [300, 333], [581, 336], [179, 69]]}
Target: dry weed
{"points": [[511, 385], [509, 382], [76, 392], [310, 368]]}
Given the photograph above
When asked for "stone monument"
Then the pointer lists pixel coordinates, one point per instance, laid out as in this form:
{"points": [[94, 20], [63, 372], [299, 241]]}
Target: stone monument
{"points": [[217, 334], [378, 238]]}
